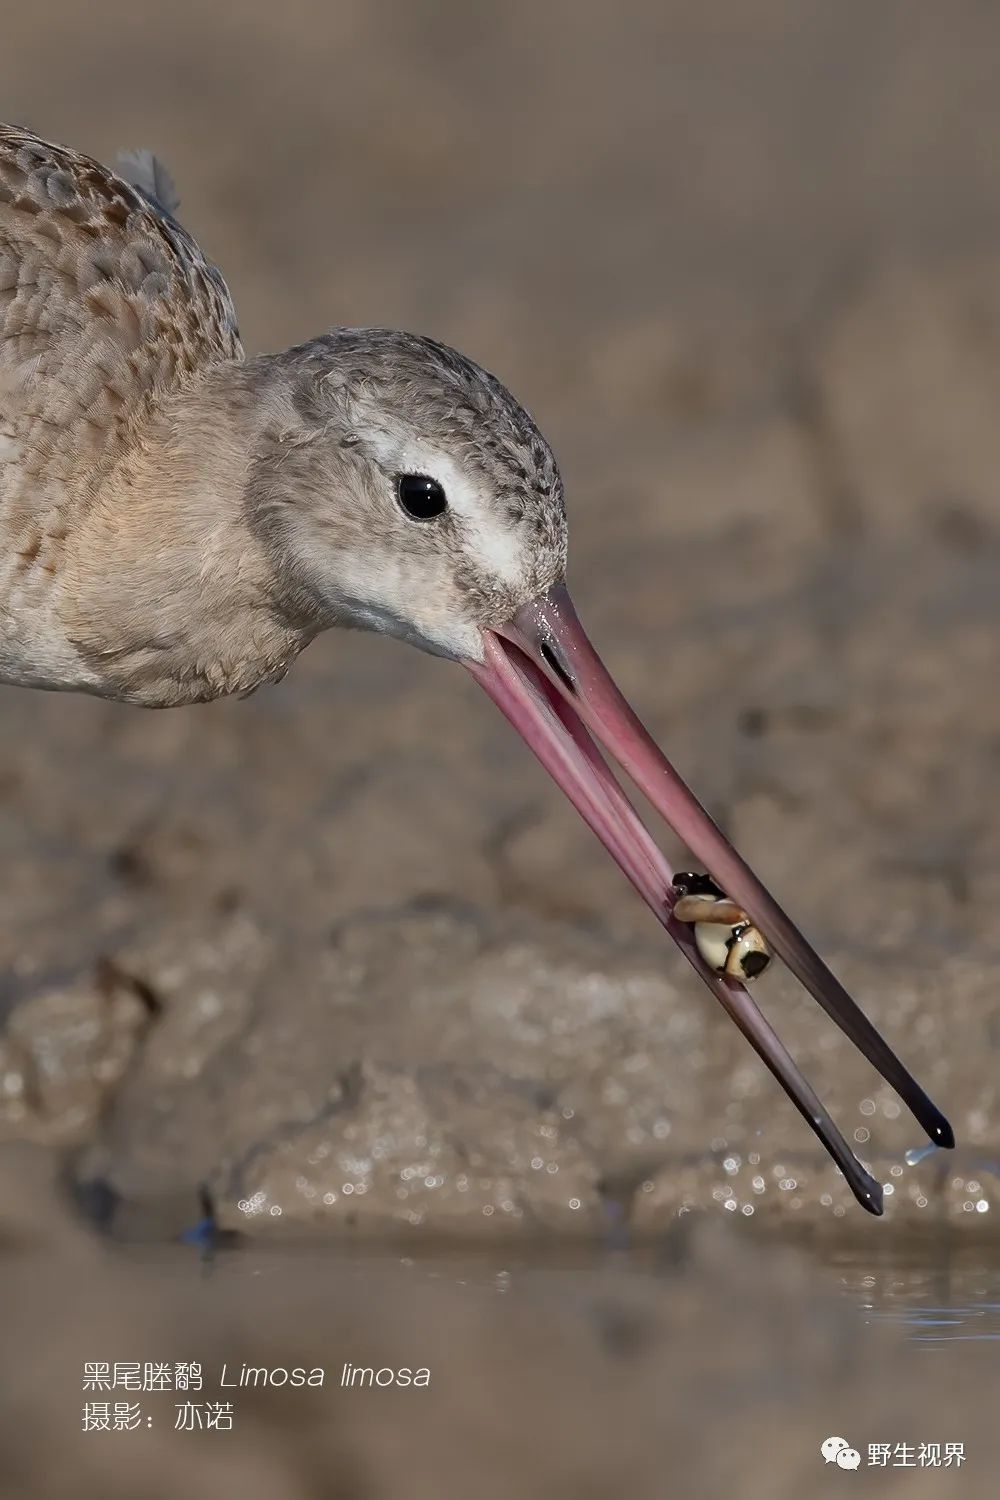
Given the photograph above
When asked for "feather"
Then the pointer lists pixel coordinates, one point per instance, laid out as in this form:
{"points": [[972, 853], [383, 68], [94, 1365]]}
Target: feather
{"points": [[148, 173]]}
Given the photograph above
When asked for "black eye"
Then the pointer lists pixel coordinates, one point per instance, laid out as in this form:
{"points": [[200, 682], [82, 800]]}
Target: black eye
{"points": [[420, 497]]}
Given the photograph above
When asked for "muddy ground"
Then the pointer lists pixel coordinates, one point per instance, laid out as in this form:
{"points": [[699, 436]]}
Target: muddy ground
{"points": [[338, 957]]}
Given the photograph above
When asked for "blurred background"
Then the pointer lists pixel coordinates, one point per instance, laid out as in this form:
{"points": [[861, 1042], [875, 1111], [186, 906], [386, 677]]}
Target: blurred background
{"points": [[741, 264]]}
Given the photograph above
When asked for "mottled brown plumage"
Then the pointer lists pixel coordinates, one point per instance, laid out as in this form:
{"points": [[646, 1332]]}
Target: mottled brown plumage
{"points": [[106, 304], [176, 522]]}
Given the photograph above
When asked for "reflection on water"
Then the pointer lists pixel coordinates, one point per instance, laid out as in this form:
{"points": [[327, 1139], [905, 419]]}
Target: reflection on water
{"points": [[933, 1292], [956, 1298]]}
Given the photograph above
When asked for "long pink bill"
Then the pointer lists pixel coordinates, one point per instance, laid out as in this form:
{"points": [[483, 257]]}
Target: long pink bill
{"points": [[548, 680]]}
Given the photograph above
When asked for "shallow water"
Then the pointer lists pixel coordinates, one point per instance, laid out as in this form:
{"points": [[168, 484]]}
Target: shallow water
{"points": [[554, 1368], [953, 1299], [933, 1293]]}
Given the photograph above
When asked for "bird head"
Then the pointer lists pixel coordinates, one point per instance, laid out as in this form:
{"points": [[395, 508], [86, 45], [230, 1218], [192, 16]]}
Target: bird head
{"points": [[405, 490]]}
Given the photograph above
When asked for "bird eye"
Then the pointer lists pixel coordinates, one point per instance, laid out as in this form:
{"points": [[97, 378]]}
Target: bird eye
{"points": [[421, 497]]}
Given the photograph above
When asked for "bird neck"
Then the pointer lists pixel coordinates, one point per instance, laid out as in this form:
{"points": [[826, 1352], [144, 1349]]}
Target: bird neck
{"points": [[170, 596]]}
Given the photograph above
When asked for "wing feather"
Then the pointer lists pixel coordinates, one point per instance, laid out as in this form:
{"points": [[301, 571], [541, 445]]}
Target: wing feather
{"points": [[106, 306], [151, 176]]}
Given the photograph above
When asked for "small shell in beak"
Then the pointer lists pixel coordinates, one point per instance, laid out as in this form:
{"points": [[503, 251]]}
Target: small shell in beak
{"points": [[747, 953], [727, 940]]}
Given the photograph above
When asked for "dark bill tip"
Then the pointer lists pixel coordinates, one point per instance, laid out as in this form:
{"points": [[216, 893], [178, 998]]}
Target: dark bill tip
{"points": [[549, 631], [555, 733]]}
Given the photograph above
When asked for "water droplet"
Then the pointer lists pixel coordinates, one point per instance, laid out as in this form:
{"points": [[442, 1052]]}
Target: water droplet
{"points": [[916, 1154]]}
